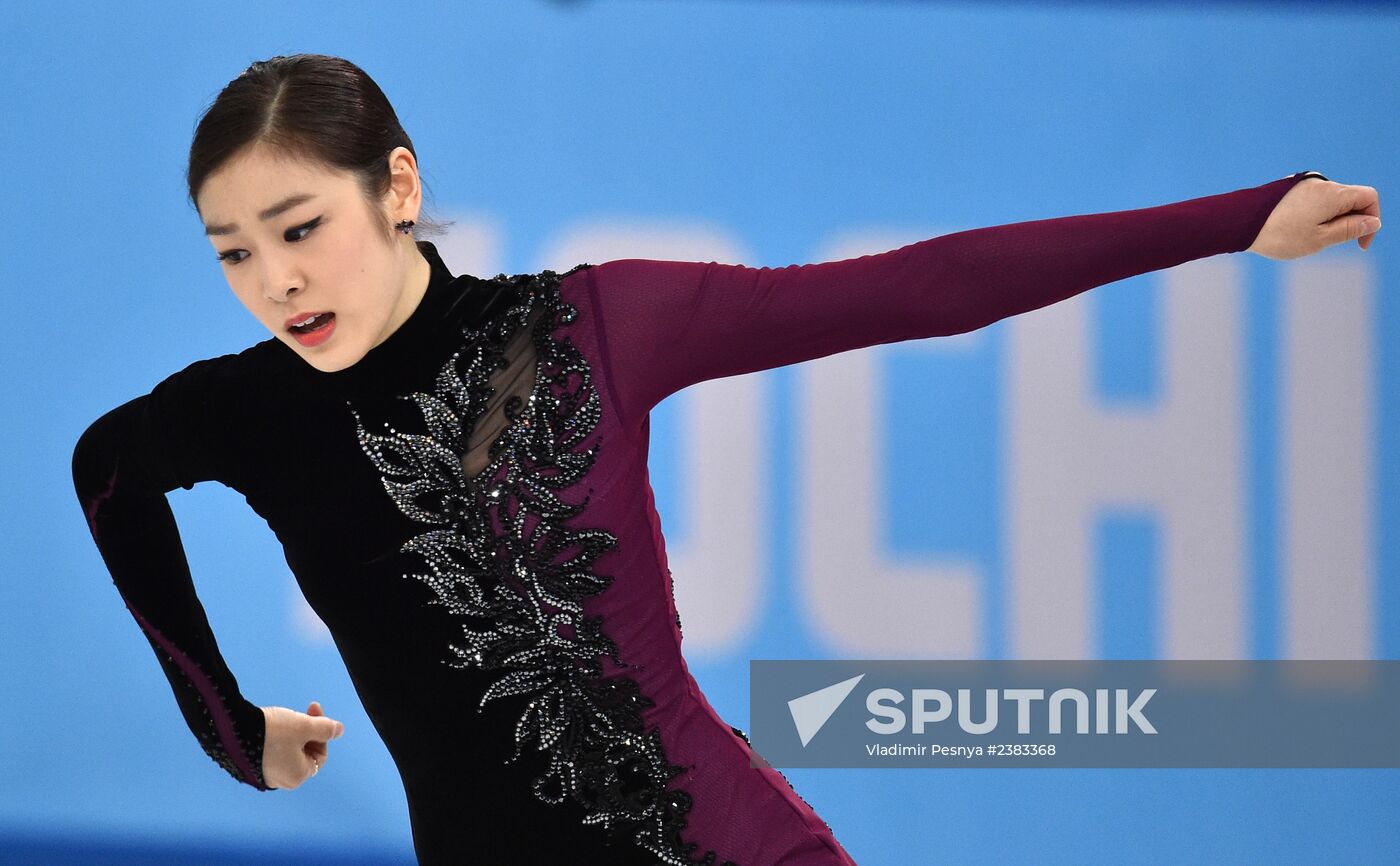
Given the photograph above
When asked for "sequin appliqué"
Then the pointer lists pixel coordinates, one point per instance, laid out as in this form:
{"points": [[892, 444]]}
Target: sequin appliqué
{"points": [[494, 560]]}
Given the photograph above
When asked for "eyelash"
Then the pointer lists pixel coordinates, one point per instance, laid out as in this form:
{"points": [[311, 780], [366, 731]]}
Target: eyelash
{"points": [[307, 227]]}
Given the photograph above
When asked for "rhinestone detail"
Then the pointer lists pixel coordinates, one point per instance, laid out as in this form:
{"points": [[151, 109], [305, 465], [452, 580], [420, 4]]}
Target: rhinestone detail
{"points": [[520, 604]]}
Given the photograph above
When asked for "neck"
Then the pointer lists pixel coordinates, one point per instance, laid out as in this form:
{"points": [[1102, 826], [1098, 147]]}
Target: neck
{"points": [[417, 272]]}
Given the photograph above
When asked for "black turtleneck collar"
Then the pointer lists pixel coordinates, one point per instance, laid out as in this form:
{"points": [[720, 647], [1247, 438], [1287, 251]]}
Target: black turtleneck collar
{"points": [[411, 355]]}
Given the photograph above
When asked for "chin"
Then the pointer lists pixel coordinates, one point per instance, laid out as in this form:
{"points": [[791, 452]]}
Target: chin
{"points": [[332, 361]]}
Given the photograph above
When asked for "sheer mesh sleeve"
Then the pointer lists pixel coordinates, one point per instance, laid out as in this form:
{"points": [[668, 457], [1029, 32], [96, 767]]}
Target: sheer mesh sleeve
{"points": [[123, 465], [512, 382], [672, 324]]}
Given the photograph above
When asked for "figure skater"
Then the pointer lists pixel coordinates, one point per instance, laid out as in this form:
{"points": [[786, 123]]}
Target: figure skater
{"points": [[456, 469]]}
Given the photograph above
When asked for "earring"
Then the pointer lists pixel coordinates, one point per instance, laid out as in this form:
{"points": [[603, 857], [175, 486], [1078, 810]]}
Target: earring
{"points": [[404, 226]]}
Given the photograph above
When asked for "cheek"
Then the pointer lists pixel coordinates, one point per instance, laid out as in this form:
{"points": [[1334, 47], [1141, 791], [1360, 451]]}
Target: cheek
{"points": [[249, 301], [260, 309], [263, 310]]}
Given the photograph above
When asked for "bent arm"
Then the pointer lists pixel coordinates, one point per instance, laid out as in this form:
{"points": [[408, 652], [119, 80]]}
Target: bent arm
{"points": [[123, 465], [668, 325]]}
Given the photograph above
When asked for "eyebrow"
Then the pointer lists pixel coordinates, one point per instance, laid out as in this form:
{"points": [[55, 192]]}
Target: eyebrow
{"points": [[266, 214]]}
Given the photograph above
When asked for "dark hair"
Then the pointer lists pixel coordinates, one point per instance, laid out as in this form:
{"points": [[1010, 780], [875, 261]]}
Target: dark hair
{"points": [[306, 106]]}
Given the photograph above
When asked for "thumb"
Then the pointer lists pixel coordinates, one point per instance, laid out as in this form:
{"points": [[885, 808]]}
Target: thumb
{"points": [[326, 729], [315, 709]]}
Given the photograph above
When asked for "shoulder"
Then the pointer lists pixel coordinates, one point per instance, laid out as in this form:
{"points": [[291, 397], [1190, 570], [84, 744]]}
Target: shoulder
{"points": [[230, 385], [605, 275], [504, 303], [231, 370], [548, 283], [628, 281], [615, 284]]}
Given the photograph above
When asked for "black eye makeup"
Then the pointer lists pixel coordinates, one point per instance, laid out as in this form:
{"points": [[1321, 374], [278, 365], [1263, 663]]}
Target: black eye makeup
{"points": [[291, 235]]}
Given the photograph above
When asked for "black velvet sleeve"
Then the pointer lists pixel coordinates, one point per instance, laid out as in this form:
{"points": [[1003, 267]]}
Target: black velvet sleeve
{"points": [[183, 432]]}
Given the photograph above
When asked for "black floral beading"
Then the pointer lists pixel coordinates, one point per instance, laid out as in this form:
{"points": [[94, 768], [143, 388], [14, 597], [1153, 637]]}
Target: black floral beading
{"points": [[518, 594]]}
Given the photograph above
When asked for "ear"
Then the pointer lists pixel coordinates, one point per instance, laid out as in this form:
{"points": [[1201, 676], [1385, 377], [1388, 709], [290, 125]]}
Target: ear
{"points": [[405, 197]]}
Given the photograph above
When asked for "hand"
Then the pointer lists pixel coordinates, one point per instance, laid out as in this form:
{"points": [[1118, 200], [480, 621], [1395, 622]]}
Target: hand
{"points": [[1317, 213], [294, 748]]}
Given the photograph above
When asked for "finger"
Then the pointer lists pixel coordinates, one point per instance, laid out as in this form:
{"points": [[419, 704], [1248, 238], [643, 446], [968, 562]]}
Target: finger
{"points": [[323, 729], [1363, 200], [1372, 207], [315, 755], [1351, 226], [315, 709]]}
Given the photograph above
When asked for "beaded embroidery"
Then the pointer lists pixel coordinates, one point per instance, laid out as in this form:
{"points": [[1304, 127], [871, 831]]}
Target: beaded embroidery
{"points": [[220, 731], [217, 732], [520, 605]]}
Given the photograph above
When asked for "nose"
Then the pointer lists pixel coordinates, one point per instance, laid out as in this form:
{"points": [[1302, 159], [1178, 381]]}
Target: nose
{"points": [[280, 297], [279, 285]]}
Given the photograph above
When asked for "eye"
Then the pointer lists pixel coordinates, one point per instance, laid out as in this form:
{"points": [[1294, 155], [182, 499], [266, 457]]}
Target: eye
{"points": [[295, 234], [304, 227]]}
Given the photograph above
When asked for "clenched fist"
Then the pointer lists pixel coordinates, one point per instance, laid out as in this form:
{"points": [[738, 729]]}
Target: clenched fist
{"points": [[294, 748], [1317, 213]]}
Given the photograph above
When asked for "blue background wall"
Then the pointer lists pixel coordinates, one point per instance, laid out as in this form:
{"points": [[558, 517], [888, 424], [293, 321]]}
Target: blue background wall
{"points": [[765, 133]]}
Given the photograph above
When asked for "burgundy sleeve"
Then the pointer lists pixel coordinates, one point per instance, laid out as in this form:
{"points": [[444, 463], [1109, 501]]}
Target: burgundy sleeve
{"points": [[667, 325], [123, 465]]}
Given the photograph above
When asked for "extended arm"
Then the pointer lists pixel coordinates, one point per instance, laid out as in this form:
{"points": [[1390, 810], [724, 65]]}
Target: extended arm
{"points": [[668, 324], [123, 465]]}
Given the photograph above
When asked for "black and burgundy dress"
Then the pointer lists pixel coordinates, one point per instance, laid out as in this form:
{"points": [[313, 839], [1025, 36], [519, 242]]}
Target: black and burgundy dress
{"points": [[481, 538]]}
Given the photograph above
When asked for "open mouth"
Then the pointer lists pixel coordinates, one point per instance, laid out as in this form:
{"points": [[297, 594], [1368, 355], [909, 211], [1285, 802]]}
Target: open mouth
{"points": [[315, 324], [315, 331]]}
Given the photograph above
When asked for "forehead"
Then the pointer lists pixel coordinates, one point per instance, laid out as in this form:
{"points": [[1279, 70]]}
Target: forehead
{"points": [[249, 184]]}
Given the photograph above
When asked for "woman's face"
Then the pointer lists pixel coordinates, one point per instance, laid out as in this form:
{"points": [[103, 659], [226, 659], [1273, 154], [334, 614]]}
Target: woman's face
{"points": [[296, 238]]}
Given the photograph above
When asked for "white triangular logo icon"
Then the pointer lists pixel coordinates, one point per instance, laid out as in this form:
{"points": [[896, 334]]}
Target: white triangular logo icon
{"points": [[811, 711]]}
